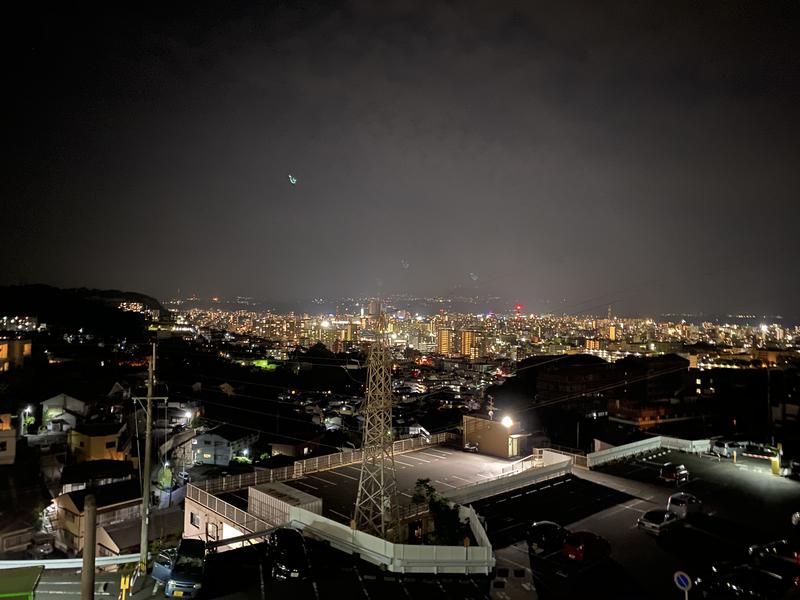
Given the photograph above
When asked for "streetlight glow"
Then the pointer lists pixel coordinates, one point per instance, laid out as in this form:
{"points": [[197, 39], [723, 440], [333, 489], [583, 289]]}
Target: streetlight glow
{"points": [[507, 422]]}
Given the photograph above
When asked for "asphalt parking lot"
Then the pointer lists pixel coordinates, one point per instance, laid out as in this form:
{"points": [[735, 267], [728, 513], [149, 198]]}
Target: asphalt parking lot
{"points": [[447, 469]]}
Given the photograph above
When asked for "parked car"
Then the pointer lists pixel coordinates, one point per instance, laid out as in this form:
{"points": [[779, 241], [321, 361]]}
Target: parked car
{"points": [[286, 549], [684, 504], [41, 545], [674, 474], [781, 556], [726, 448], [658, 522], [743, 581], [585, 546], [545, 537], [182, 569], [470, 447]]}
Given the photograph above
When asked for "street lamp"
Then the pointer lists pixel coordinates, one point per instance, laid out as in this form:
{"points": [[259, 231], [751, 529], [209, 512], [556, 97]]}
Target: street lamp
{"points": [[506, 422]]}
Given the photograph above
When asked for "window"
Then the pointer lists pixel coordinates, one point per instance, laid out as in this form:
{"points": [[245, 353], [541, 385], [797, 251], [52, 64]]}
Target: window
{"points": [[81, 444], [3, 446], [194, 520], [111, 444]]}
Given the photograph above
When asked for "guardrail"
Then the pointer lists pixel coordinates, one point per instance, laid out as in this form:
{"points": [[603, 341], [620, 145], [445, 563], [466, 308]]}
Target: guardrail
{"points": [[508, 482], [402, 558], [70, 563], [603, 456], [691, 446], [300, 468]]}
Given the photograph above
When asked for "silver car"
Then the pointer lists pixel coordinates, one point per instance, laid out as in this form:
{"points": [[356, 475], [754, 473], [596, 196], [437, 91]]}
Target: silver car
{"points": [[657, 522], [683, 505]]}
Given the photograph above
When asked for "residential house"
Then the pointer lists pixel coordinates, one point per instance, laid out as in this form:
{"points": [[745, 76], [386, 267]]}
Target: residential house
{"points": [[116, 503], [8, 440], [13, 354], [95, 441], [218, 446], [62, 412], [94, 473]]}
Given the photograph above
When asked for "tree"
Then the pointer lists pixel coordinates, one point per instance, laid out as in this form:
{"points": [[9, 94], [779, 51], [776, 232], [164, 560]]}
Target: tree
{"points": [[446, 522]]}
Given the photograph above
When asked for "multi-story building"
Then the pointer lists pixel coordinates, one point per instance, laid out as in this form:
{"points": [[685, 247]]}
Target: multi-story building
{"points": [[445, 341], [14, 353], [95, 441], [116, 502]]}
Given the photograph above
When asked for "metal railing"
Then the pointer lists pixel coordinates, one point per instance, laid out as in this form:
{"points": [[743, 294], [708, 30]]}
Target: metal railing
{"points": [[226, 510], [301, 468], [507, 482], [70, 563]]}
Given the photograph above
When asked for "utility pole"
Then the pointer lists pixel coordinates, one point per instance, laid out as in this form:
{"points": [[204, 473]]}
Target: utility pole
{"points": [[89, 543], [148, 451]]}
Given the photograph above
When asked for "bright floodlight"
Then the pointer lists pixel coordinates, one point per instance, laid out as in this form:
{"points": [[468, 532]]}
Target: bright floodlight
{"points": [[506, 421], [28, 409], [246, 451], [188, 414]]}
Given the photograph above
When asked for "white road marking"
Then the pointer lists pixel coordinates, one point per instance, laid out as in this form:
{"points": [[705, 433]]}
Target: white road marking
{"points": [[344, 475], [419, 459], [404, 464], [321, 479], [445, 483], [336, 512], [461, 478], [436, 456], [406, 495], [307, 485], [439, 451]]}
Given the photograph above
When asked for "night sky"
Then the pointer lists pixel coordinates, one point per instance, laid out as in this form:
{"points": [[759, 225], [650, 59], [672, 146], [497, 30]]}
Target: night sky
{"points": [[565, 154]]}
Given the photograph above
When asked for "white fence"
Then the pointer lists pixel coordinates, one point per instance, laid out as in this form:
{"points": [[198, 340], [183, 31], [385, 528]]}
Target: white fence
{"points": [[242, 518], [70, 563], [312, 465], [603, 456], [508, 482], [402, 558], [691, 446]]}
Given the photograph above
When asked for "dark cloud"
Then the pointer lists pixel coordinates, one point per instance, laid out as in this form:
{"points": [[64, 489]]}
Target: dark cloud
{"points": [[561, 150]]}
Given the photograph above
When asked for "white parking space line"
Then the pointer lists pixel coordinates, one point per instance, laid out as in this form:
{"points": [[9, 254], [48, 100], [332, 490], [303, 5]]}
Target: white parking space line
{"points": [[444, 483], [321, 479], [485, 475], [461, 478], [400, 462], [436, 456], [419, 459], [336, 512], [344, 475], [406, 495], [307, 485], [439, 451], [356, 469]]}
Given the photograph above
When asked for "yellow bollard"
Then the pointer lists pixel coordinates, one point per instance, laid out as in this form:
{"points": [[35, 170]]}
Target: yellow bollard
{"points": [[734, 457]]}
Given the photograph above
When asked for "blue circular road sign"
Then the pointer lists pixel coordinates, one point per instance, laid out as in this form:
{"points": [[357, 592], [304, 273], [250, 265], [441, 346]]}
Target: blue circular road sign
{"points": [[683, 581]]}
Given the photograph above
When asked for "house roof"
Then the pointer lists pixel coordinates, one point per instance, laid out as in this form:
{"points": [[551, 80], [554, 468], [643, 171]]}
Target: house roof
{"points": [[108, 495], [96, 469], [231, 432], [126, 535], [98, 429]]}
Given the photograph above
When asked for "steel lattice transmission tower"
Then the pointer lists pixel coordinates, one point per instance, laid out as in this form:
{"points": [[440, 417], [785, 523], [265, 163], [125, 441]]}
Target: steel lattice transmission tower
{"points": [[376, 509]]}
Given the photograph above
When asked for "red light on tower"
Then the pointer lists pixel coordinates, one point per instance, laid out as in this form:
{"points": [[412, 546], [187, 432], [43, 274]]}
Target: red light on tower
{"points": [[518, 310]]}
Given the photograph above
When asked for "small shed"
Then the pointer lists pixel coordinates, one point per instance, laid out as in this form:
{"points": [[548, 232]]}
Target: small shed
{"points": [[19, 583]]}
